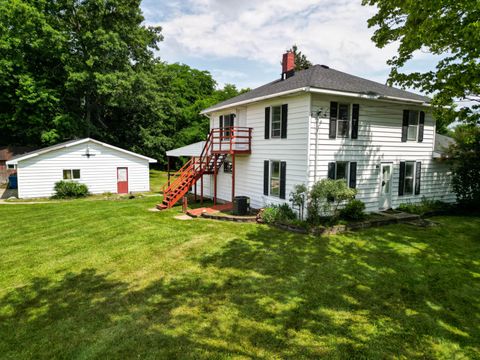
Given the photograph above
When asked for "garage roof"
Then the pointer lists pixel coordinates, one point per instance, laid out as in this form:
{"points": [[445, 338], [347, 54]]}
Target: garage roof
{"points": [[70, 143]]}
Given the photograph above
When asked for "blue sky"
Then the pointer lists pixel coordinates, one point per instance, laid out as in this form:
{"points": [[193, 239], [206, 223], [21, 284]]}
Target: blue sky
{"points": [[241, 42]]}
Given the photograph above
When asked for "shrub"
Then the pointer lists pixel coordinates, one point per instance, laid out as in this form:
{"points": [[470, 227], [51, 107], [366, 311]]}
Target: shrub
{"points": [[325, 197], [298, 198], [278, 213], [424, 206], [70, 189], [354, 210]]}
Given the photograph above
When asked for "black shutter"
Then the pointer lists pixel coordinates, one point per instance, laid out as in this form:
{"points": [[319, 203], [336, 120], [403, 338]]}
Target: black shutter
{"points": [[401, 178], [418, 175], [331, 170], [266, 176], [267, 123], [405, 126], [353, 175], [332, 133], [283, 178], [355, 116], [421, 125], [284, 121]]}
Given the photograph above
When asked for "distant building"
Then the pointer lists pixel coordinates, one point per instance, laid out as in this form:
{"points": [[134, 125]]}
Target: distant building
{"points": [[100, 166]]}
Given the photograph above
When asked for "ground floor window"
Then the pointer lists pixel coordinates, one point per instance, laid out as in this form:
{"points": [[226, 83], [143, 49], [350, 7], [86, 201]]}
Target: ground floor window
{"points": [[409, 178], [274, 178], [227, 167], [71, 174], [343, 170]]}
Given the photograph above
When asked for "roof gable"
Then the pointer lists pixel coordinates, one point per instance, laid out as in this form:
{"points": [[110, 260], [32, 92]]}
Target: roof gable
{"points": [[70, 143]]}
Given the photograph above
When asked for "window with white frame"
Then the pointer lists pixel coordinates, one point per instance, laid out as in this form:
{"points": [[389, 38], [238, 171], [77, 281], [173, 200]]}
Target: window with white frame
{"points": [[343, 120], [276, 121], [11, 166], [412, 125], [341, 171], [228, 122], [275, 178], [408, 185], [71, 174]]}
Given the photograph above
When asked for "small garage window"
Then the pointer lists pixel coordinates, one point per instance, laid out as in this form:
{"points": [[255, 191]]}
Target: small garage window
{"points": [[71, 174], [11, 166]]}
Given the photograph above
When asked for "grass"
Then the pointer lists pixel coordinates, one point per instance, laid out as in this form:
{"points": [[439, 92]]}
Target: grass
{"points": [[109, 279], [157, 180]]}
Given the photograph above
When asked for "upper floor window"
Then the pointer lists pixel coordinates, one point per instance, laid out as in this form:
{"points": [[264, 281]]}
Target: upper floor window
{"points": [[413, 125], [343, 120], [227, 122], [276, 121], [71, 174]]}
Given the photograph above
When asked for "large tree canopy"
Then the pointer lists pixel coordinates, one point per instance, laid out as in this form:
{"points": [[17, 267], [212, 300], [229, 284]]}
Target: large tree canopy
{"points": [[74, 68], [448, 28]]}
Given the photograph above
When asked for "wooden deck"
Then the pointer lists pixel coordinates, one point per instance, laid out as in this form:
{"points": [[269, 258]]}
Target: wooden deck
{"points": [[210, 210]]}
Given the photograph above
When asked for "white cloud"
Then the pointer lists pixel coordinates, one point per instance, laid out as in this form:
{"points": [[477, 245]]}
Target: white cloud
{"points": [[327, 31]]}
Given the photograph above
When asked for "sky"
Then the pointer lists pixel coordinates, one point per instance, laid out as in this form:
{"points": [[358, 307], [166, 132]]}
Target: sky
{"points": [[242, 42]]}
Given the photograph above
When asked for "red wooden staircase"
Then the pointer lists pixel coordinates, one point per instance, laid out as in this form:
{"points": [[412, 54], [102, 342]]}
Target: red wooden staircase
{"points": [[220, 143]]}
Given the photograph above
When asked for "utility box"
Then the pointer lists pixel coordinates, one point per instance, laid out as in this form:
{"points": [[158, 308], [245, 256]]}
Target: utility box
{"points": [[241, 205]]}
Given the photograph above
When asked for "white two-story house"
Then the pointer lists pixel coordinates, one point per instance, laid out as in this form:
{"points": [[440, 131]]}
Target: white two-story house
{"points": [[313, 124]]}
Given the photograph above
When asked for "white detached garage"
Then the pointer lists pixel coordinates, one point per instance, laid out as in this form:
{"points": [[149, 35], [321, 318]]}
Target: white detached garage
{"points": [[102, 167]]}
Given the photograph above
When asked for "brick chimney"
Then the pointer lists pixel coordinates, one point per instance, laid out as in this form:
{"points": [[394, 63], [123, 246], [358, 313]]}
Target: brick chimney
{"points": [[288, 65]]}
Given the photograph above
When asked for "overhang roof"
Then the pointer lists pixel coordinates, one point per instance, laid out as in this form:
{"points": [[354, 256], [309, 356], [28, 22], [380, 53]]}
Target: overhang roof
{"points": [[190, 150], [441, 145], [325, 78], [70, 143]]}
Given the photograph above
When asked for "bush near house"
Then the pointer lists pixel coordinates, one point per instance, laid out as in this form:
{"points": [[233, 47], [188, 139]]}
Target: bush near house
{"points": [[70, 189], [425, 206], [325, 198], [354, 210], [278, 213]]}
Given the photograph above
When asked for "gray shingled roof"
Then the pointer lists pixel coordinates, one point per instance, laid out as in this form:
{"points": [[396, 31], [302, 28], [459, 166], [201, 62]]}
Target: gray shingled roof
{"points": [[322, 77], [442, 143]]}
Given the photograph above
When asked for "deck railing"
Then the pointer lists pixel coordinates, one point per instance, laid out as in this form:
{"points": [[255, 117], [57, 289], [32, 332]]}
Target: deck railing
{"points": [[231, 140]]}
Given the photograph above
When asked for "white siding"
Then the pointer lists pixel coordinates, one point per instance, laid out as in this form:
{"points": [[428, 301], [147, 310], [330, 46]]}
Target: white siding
{"points": [[249, 168], [379, 140], [37, 175]]}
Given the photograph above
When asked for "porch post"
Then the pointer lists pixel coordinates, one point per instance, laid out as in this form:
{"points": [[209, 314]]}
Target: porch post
{"points": [[168, 170], [201, 189], [215, 179], [233, 176]]}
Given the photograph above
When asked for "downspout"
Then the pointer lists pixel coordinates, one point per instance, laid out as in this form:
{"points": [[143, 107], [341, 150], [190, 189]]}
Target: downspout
{"points": [[316, 148]]}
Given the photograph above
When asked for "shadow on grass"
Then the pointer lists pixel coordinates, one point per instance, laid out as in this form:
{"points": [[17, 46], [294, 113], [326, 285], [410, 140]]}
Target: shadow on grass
{"points": [[370, 295]]}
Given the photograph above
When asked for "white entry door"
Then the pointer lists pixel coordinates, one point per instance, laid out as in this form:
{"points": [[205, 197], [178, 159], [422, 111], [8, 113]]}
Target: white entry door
{"points": [[385, 198]]}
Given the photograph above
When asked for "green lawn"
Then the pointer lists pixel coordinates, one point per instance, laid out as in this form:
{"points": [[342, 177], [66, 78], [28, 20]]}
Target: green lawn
{"points": [[157, 180], [109, 279]]}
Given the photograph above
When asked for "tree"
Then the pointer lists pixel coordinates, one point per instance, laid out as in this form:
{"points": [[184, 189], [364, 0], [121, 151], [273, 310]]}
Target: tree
{"points": [[465, 157], [447, 28], [64, 64], [301, 61]]}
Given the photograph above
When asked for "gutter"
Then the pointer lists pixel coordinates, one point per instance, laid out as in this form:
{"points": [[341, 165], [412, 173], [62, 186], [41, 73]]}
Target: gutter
{"points": [[260, 98], [384, 98]]}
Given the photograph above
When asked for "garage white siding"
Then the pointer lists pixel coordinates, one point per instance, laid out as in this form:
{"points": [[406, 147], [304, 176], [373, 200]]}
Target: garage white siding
{"points": [[38, 175]]}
